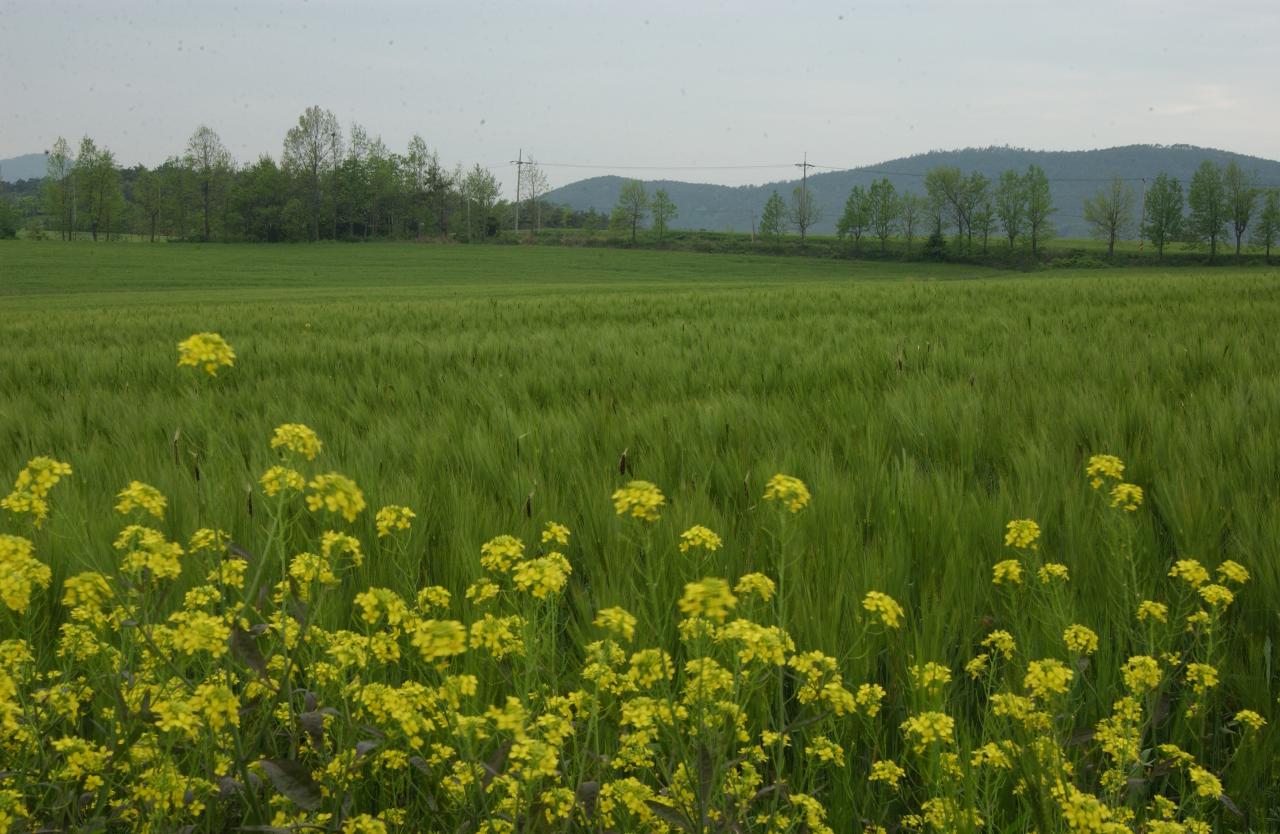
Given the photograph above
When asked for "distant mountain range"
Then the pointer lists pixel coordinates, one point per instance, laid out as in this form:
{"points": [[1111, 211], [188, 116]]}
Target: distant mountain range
{"points": [[30, 166], [1073, 175]]}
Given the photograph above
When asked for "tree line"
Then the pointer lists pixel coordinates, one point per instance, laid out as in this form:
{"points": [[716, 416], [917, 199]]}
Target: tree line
{"points": [[326, 184], [970, 211]]}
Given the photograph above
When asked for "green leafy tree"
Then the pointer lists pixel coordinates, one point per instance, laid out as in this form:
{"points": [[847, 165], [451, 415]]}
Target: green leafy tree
{"points": [[1162, 214], [58, 189], [632, 207], [1207, 198], [8, 220], [1267, 230], [945, 186], [856, 217], [1039, 206], [1011, 205], [803, 211], [975, 195], [211, 163], [1242, 198], [146, 200], [984, 218], [101, 200], [773, 221], [480, 189], [312, 152], [664, 211], [1110, 212], [911, 208], [885, 210]]}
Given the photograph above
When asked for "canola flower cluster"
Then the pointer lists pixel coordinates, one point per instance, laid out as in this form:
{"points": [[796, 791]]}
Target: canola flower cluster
{"points": [[197, 686]]}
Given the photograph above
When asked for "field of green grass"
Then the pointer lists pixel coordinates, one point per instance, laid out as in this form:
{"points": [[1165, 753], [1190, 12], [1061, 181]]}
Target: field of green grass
{"points": [[494, 389]]}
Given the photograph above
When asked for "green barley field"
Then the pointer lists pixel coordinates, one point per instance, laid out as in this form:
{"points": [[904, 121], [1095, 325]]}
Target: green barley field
{"points": [[494, 390]]}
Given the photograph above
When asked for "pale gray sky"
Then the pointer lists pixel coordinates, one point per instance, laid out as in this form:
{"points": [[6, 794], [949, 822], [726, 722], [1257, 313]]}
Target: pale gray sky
{"points": [[655, 83]]}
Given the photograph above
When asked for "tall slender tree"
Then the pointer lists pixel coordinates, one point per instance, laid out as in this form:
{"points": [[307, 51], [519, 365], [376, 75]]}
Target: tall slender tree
{"points": [[773, 220], [911, 212], [633, 206], [210, 161], [1242, 198], [1207, 198], [1162, 213], [1011, 205], [664, 211], [312, 151], [856, 217], [1267, 230], [59, 188], [885, 210], [1110, 212], [1039, 206]]}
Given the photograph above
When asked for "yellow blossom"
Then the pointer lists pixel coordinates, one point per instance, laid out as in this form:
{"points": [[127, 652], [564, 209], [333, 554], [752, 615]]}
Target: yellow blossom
{"points": [[1100, 466], [888, 772], [883, 606], [1047, 677], [207, 350], [140, 496], [555, 533], [501, 552], [1022, 533], [1051, 571], [337, 494], [1190, 571], [278, 479], [1148, 609], [699, 537], [1080, 639], [1141, 673], [756, 584], [709, 598], [1127, 496], [790, 492], [617, 620], [927, 728], [639, 499], [1009, 570], [1201, 676], [392, 518], [20, 572], [297, 438], [1230, 571]]}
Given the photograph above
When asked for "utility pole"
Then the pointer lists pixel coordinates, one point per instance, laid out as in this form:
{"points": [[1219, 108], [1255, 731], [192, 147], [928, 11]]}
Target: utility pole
{"points": [[803, 213], [519, 162]]}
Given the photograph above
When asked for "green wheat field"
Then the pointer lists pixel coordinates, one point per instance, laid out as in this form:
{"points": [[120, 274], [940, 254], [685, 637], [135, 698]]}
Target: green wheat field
{"points": [[870, 673]]}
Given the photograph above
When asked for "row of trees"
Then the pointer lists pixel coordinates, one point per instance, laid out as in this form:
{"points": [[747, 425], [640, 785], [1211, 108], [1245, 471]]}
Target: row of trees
{"points": [[1222, 201], [327, 184], [1018, 207]]}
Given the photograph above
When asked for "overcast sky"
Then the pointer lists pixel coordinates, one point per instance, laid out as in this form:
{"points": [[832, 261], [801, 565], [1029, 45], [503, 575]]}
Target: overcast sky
{"points": [[655, 83]]}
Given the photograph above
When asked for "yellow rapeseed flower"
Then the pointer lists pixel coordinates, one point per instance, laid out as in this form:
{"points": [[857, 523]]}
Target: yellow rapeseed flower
{"points": [[1051, 571], [555, 533], [1250, 719], [207, 350], [1080, 639], [699, 537], [1009, 570], [439, 640], [1190, 571], [20, 572], [883, 606], [140, 496], [1000, 641], [278, 479], [544, 576], [1022, 533], [639, 499], [297, 438], [1127, 496], [501, 552], [928, 728], [888, 772], [31, 488], [392, 518], [790, 492], [1104, 466], [1141, 673], [1230, 571], [337, 494], [1149, 609], [1217, 596], [757, 584], [1047, 677], [709, 598], [1201, 677], [617, 620]]}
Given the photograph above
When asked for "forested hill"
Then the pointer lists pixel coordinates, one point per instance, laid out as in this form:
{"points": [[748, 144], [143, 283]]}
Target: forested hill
{"points": [[1073, 176], [26, 167]]}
